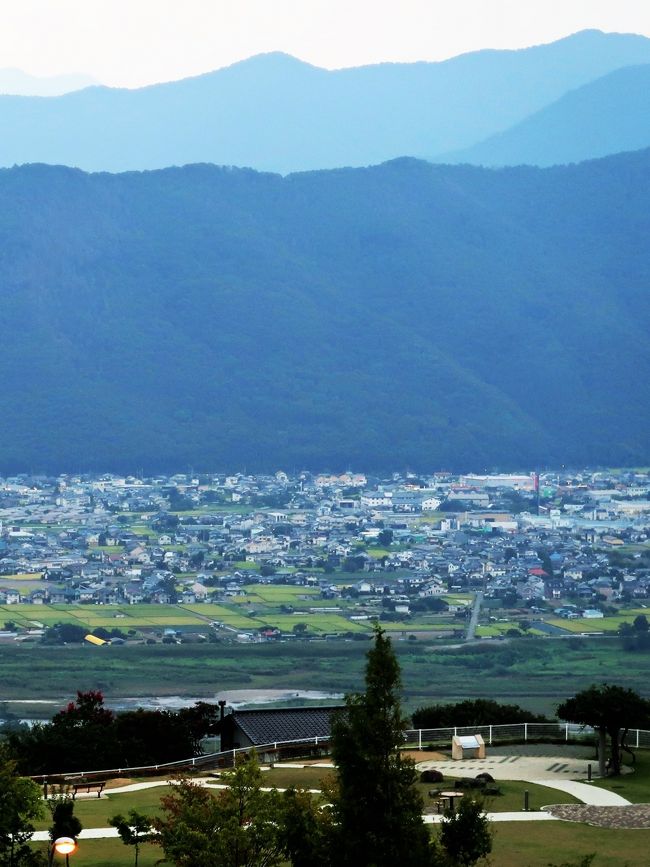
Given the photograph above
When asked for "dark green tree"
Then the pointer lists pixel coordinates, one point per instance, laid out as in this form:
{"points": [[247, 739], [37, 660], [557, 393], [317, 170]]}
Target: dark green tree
{"points": [[307, 830], [64, 821], [240, 827], [640, 623], [385, 538], [20, 804], [465, 834], [611, 710], [376, 808], [134, 830], [472, 712]]}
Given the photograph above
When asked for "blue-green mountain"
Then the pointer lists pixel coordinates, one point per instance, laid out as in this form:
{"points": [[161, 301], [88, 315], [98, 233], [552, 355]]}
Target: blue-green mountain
{"points": [[275, 113], [406, 314], [606, 116]]}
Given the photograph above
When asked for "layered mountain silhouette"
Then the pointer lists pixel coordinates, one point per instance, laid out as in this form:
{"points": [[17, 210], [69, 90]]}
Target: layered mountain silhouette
{"points": [[273, 112], [435, 316], [18, 83], [609, 115]]}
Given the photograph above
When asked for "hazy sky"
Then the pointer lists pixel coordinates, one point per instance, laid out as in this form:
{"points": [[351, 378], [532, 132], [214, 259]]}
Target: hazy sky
{"points": [[134, 42]]}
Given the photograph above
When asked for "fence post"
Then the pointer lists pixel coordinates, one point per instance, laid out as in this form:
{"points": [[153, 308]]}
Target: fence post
{"points": [[525, 732], [419, 739], [490, 735], [637, 737], [455, 731], [566, 732]]}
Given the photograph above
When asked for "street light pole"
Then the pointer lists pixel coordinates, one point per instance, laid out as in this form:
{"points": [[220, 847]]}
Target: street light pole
{"points": [[65, 846]]}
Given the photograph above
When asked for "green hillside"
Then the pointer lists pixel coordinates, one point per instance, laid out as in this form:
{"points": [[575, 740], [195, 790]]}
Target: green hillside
{"points": [[435, 316]]}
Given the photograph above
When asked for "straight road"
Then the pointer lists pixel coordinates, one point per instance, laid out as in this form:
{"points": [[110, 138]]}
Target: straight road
{"points": [[473, 620]]}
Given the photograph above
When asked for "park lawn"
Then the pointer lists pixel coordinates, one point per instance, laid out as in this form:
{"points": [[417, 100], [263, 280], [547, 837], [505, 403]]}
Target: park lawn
{"points": [[95, 812], [635, 786], [540, 844], [109, 853], [511, 798], [300, 778]]}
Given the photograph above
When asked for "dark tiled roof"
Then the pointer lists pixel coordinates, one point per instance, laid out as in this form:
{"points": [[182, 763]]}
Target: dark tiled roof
{"points": [[284, 724]]}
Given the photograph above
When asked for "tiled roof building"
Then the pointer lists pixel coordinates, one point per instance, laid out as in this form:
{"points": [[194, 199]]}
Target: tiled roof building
{"points": [[243, 728]]}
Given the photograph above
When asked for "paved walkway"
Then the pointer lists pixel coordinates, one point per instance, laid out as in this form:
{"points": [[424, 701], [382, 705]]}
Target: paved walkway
{"points": [[555, 773], [599, 807], [593, 795], [512, 767], [105, 833]]}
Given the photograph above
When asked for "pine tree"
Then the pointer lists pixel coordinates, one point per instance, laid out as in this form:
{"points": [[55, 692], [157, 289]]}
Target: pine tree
{"points": [[376, 806]]}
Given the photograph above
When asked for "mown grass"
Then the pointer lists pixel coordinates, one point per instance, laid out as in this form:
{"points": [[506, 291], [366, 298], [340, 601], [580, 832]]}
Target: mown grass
{"points": [[635, 786], [540, 844], [525, 844]]}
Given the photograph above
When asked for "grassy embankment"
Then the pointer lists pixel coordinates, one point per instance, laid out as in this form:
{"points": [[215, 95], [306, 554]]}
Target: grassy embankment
{"points": [[537, 674]]}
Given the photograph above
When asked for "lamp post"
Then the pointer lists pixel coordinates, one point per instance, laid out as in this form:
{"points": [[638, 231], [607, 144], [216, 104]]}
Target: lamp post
{"points": [[65, 846]]}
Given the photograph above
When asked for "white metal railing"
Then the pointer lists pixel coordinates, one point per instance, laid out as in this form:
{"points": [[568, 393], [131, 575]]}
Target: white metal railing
{"points": [[492, 734], [205, 760]]}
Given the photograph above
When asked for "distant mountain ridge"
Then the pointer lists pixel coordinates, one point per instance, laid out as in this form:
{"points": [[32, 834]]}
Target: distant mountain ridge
{"points": [[275, 113], [407, 314], [15, 82], [609, 115]]}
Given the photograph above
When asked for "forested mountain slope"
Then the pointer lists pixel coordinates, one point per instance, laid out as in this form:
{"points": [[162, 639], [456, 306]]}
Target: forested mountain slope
{"points": [[436, 316]]}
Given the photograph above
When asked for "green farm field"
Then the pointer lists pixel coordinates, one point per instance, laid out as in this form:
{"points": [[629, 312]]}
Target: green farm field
{"points": [[174, 616], [598, 624]]}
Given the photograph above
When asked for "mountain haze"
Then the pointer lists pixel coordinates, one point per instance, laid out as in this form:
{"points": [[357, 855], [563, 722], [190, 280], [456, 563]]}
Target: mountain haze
{"points": [[435, 316], [273, 112], [609, 115], [19, 83]]}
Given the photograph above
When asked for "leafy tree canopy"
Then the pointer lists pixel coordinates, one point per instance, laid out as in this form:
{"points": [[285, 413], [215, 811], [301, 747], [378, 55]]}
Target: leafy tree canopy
{"points": [[610, 709], [472, 712]]}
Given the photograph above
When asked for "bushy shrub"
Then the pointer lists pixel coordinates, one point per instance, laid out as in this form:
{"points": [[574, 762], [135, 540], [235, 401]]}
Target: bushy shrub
{"points": [[431, 776], [487, 778]]}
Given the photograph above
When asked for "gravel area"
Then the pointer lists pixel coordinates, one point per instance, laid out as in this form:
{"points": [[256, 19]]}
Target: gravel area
{"points": [[634, 816]]}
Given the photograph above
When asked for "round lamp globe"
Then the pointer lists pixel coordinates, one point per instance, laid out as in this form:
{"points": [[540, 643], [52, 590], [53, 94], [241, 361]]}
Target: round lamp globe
{"points": [[64, 845]]}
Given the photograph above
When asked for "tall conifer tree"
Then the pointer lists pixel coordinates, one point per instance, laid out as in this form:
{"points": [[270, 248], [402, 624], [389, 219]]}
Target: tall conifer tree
{"points": [[375, 802]]}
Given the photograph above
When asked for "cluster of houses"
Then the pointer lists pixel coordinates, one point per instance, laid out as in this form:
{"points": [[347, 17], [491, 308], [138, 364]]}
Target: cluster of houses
{"points": [[524, 540]]}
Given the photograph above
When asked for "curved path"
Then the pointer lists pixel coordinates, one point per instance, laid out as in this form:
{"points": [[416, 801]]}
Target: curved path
{"points": [[542, 771]]}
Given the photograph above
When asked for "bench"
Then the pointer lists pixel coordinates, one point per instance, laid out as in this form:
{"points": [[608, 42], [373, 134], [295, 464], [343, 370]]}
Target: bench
{"points": [[78, 784]]}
